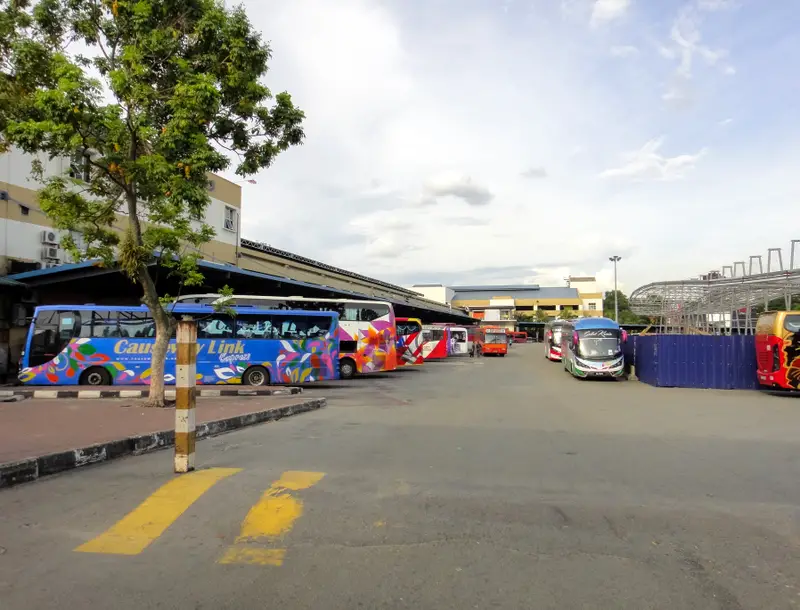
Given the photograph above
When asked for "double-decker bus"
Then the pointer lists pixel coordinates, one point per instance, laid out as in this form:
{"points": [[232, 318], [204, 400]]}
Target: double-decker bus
{"points": [[436, 340], [552, 339], [106, 345], [366, 330], [409, 342], [592, 347], [493, 341], [778, 350]]}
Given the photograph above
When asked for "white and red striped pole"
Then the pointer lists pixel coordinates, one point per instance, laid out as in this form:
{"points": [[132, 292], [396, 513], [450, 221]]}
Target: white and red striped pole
{"points": [[185, 395]]}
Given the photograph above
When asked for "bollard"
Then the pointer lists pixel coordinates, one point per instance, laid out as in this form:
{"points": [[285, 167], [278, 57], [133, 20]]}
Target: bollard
{"points": [[185, 385]]}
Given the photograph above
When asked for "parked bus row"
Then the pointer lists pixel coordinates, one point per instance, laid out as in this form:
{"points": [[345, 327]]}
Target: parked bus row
{"points": [[251, 340]]}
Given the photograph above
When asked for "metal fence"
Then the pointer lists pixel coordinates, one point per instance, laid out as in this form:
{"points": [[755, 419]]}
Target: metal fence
{"points": [[694, 361]]}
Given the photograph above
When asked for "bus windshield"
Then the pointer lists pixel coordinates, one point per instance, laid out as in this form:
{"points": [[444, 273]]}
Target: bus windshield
{"points": [[495, 337], [792, 323], [599, 343], [408, 328]]}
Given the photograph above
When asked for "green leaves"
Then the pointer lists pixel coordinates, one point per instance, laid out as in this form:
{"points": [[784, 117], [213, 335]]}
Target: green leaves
{"points": [[179, 89]]}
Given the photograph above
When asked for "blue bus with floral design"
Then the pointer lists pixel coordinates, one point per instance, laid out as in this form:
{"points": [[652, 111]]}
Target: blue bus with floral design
{"points": [[110, 345]]}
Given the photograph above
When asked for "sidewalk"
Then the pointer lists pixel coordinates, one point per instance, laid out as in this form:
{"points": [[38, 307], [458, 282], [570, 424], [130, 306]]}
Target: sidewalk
{"points": [[66, 433], [141, 391]]}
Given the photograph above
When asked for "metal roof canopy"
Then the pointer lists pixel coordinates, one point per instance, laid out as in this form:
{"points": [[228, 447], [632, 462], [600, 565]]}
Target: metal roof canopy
{"points": [[216, 275], [719, 300]]}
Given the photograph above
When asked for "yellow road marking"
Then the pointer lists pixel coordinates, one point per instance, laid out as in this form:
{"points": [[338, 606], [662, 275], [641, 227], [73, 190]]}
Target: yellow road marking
{"points": [[271, 517], [263, 557], [151, 518]]}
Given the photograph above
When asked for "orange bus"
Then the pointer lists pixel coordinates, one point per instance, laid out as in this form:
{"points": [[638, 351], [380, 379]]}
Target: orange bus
{"points": [[493, 340], [778, 350]]}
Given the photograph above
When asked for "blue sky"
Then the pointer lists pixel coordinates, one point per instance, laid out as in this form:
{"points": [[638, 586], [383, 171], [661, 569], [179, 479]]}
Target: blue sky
{"points": [[499, 141]]}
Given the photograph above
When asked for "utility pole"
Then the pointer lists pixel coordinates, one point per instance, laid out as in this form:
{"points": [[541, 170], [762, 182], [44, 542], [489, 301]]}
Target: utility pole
{"points": [[615, 259]]}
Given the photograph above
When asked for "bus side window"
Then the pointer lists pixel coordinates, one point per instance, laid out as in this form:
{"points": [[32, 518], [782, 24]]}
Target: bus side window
{"points": [[137, 324], [105, 324], [368, 315], [218, 326], [350, 314]]}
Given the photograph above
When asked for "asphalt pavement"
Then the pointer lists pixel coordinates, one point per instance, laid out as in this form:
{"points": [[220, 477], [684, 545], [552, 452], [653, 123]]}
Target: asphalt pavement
{"points": [[474, 483]]}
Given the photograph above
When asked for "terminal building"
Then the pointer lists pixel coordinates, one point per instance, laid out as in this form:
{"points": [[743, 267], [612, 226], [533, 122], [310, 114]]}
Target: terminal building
{"points": [[35, 270], [503, 305]]}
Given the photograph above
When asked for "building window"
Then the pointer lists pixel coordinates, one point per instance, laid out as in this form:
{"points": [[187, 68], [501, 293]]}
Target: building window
{"points": [[230, 219], [593, 306], [79, 167]]}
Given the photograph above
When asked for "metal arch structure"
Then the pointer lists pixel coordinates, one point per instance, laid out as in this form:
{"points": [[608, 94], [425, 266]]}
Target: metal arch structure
{"points": [[721, 302]]}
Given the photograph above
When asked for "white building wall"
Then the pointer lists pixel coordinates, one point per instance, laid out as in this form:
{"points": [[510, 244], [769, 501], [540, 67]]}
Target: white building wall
{"points": [[440, 294], [22, 240]]}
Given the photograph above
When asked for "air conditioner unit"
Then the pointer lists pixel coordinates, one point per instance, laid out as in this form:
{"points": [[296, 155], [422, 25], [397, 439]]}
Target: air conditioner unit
{"points": [[52, 263], [49, 253], [49, 237]]}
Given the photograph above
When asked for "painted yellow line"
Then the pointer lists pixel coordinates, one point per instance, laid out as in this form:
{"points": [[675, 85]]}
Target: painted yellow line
{"points": [[151, 518], [254, 556], [271, 517]]}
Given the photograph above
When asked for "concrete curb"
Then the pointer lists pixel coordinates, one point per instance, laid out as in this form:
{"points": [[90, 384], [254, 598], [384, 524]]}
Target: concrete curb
{"points": [[169, 394], [24, 471]]}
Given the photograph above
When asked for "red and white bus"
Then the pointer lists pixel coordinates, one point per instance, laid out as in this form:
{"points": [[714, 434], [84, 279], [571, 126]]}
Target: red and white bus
{"points": [[436, 341], [552, 339], [409, 341]]}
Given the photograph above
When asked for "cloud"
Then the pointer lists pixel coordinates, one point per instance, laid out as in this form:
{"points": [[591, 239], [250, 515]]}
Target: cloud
{"points": [[716, 5], [604, 11], [685, 44], [458, 185], [624, 51], [725, 122], [534, 172], [648, 163], [391, 100]]}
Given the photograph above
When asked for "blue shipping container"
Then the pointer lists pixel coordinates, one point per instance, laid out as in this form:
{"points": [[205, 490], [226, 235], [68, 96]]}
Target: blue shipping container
{"points": [[694, 361]]}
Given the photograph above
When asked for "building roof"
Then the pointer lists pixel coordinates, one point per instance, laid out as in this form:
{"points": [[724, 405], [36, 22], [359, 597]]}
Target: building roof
{"points": [[497, 288], [250, 244], [11, 283], [482, 293], [51, 274], [45, 271]]}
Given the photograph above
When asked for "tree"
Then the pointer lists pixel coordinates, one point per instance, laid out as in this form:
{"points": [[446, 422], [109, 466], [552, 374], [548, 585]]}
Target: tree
{"points": [[569, 314], [169, 89], [608, 303], [540, 315]]}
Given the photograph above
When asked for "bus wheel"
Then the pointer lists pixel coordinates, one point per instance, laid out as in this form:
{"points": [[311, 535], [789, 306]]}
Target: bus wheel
{"points": [[347, 368], [95, 375], [255, 375]]}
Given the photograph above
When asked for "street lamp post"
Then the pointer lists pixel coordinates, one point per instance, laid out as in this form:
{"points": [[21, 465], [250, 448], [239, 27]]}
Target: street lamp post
{"points": [[615, 259]]}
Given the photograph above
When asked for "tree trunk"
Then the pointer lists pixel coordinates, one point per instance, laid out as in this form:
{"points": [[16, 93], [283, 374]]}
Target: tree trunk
{"points": [[164, 327]]}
